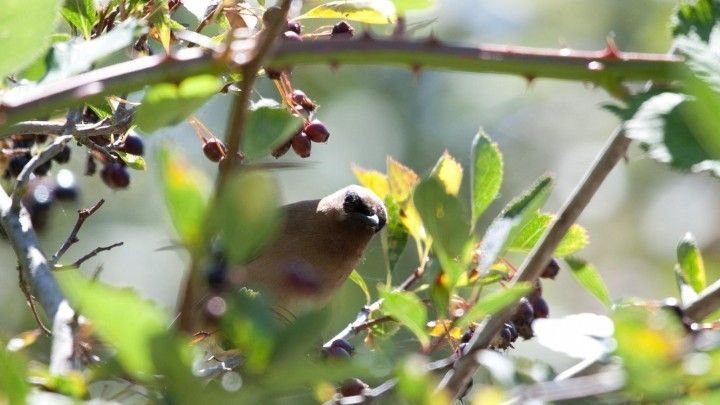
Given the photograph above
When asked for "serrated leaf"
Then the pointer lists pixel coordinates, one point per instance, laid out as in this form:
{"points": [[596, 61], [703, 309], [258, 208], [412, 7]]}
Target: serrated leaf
{"points": [[268, 126], [185, 195], [14, 387], [401, 180], [494, 302], [588, 277], [356, 278], [401, 6], [529, 235], [486, 175], [374, 180], [691, 262], [247, 215], [81, 14], [167, 104], [449, 172], [395, 237], [409, 310], [131, 335], [132, 161], [366, 11], [508, 224], [25, 30], [660, 124]]}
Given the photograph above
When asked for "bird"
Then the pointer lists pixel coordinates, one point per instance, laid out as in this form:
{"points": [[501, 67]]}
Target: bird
{"points": [[318, 245]]}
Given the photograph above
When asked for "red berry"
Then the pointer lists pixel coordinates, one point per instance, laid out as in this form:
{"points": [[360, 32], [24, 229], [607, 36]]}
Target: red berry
{"points": [[281, 150], [300, 98], [551, 270], [115, 175], [214, 149], [133, 145], [301, 144], [316, 131], [342, 30]]}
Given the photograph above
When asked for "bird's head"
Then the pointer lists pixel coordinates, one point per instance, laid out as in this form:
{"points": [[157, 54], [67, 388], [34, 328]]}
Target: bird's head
{"points": [[355, 206]]}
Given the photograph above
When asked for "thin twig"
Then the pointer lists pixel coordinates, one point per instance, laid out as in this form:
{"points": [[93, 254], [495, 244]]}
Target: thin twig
{"points": [[455, 380], [119, 123], [573, 388], [31, 302], [88, 256], [83, 215]]}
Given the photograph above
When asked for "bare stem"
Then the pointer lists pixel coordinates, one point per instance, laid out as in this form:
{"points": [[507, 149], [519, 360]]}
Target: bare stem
{"points": [[88, 256], [83, 215]]}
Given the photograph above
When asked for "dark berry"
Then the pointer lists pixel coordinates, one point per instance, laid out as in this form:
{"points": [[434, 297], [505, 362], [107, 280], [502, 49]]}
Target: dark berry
{"points": [[294, 27], [17, 163], [101, 140], [540, 307], [23, 141], [214, 149], [335, 352], [342, 30], [510, 327], [89, 116], [524, 312], [300, 98], [551, 270], [115, 175], [301, 144], [133, 145], [90, 166], [316, 131], [523, 329], [63, 156], [343, 344], [352, 387], [281, 150], [217, 274], [66, 188], [291, 36], [466, 336], [43, 169], [272, 15]]}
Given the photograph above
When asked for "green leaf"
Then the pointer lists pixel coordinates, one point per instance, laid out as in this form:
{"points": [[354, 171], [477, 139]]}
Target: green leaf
{"points": [[356, 278], [374, 180], [14, 387], [395, 236], [505, 228], [445, 220], [650, 352], [268, 126], [167, 104], [493, 303], [487, 173], [162, 22], [529, 235], [691, 262], [404, 5], [132, 161], [660, 125], [449, 172], [81, 14], [407, 309], [247, 214], [416, 385], [366, 11], [588, 277], [25, 29], [120, 317], [185, 192], [696, 17]]}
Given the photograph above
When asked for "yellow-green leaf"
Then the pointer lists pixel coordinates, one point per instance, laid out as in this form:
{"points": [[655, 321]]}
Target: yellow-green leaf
{"points": [[356, 278], [588, 277], [401, 179], [132, 161], [374, 180], [366, 11], [449, 172], [691, 262], [407, 309], [529, 235], [486, 174]]}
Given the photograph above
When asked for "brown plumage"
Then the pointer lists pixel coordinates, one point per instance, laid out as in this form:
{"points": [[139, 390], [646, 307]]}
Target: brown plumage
{"points": [[320, 244]]}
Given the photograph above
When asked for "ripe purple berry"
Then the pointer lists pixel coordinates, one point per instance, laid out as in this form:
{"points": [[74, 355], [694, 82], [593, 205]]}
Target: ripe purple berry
{"points": [[343, 344], [316, 131], [115, 175], [214, 149], [63, 156], [301, 144], [540, 307], [551, 270], [17, 163], [300, 98], [133, 145], [342, 30]]}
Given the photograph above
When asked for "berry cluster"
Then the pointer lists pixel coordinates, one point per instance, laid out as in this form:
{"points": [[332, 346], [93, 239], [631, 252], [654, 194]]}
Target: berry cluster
{"points": [[19, 149]]}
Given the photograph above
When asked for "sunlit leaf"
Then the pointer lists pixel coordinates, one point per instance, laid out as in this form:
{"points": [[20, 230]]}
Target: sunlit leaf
{"points": [[356, 278], [366, 11], [508, 225], [14, 387], [185, 191], [588, 277], [132, 161], [696, 17], [81, 14], [374, 180], [132, 334], [529, 235], [405, 5], [247, 214], [168, 104], [160, 17], [449, 172], [688, 295], [444, 327], [25, 28], [407, 309], [494, 302], [691, 262], [401, 180], [268, 126], [486, 174]]}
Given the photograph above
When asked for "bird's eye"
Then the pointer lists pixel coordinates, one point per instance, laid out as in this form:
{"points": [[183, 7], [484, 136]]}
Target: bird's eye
{"points": [[354, 204]]}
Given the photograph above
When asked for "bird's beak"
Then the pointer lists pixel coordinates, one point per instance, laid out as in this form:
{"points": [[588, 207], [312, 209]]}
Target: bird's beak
{"points": [[372, 221]]}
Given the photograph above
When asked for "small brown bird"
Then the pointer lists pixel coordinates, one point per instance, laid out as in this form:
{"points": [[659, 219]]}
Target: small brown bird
{"points": [[320, 244]]}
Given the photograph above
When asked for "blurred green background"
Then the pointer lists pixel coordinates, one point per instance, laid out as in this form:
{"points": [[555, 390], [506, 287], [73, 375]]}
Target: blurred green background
{"points": [[634, 222]]}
